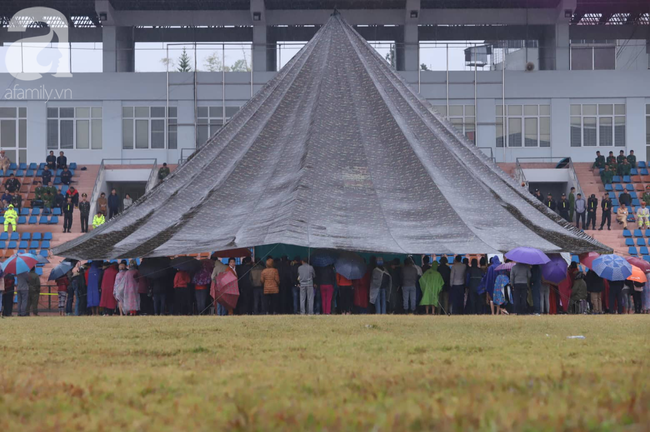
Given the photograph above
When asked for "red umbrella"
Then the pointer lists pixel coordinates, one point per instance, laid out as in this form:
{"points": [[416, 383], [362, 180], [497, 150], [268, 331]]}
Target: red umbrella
{"points": [[640, 263], [588, 258], [225, 290]]}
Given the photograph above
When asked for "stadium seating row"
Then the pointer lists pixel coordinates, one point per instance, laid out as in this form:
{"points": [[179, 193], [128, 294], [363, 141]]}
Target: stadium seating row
{"points": [[33, 220], [26, 236]]}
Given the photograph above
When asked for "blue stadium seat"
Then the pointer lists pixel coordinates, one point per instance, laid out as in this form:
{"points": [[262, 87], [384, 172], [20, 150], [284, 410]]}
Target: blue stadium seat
{"points": [[36, 211], [34, 244], [26, 236], [54, 220], [3, 245], [640, 242], [43, 253], [39, 173], [627, 233], [632, 251], [64, 189], [37, 236], [619, 187], [45, 244], [608, 187], [57, 180], [58, 172], [633, 194], [612, 195], [72, 172], [629, 187], [47, 236], [24, 211], [47, 211], [13, 166], [22, 166], [629, 242], [2, 173], [636, 202], [627, 179], [633, 172], [23, 244], [616, 179], [12, 245], [30, 173], [10, 172], [647, 233], [614, 202], [22, 220], [644, 171], [56, 211], [644, 251], [615, 209], [20, 173], [4, 236], [33, 166], [73, 166], [2, 219], [32, 220], [41, 165], [647, 258], [638, 233], [43, 220], [14, 236]]}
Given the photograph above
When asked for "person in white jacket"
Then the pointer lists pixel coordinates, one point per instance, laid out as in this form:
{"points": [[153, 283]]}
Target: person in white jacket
{"points": [[643, 216]]}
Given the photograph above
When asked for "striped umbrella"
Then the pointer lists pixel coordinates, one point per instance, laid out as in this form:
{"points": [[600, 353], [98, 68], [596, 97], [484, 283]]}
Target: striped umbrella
{"points": [[612, 267], [19, 263]]}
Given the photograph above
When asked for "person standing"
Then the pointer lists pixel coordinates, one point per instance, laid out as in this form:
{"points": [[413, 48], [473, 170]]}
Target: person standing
{"points": [[258, 289], [22, 291], [535, 286], [34, 283], [592, 207], [92, 287], [127, 201], [118, 288], [564, 208], [182, 293], [131, 295], [346, 294], [270, 279], [8, 294], [520, 279], [68, 210], [361, 292], [550, 202], [445, 272], [431, 283], [113, 204], [539, 196], [475, 291], [599, 162], [61, 161], [326, 282], [50, 161], [615, 302], [572, 203], [245, 303], [379, 286], [581, 210], [107, 301], [621, 215], [606, 217], [643, 216], [74, 194], [84, 212], [62, 284], [457, 281], [102, 204], [306, 275], [5, 162], [409, 281]]}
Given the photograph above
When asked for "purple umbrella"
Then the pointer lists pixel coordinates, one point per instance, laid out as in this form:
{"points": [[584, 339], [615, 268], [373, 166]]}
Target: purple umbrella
{"points": [[526, 255], [506, 266], [554, 271]]}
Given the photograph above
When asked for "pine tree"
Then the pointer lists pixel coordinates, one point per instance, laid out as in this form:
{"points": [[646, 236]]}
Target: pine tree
{"points": [[184, 62]]}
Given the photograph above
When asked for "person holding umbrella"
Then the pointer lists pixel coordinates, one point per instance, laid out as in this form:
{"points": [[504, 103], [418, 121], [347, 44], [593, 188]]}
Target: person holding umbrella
{"points": [[520, 278], [62, 290], [616, 270], [34, 283]]}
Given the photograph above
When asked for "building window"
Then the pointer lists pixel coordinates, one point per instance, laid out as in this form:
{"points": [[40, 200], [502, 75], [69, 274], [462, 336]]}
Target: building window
{"points": [[74, 128], [210, 120], [598, 125], [13, 133], [593, 55], [144, 128], [523, 126], [462, 117]]}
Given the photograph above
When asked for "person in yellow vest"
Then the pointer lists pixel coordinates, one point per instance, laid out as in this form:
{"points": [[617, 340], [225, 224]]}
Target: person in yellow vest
{"points": [[10, 218], [98, 220], [642, 216]]}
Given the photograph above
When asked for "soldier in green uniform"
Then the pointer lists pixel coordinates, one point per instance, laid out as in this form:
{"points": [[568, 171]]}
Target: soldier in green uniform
{"points": [[620, 158], [646, 195], [632, 159], [39, 191], [607, 175], [572, 203], [48, 199], [624, 168], [611, 161], [599, 162]]}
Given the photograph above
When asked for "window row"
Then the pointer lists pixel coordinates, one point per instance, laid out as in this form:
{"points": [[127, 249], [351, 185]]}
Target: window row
{"points": [[523, 126], [598, 125], [147, 128], [74, 128], [210, 120]]}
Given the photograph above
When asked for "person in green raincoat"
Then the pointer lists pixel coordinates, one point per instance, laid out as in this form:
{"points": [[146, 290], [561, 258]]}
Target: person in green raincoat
{"points": [[431, 284]]}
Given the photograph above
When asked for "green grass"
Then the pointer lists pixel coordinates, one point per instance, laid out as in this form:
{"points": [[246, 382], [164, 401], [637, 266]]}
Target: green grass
{"points": [[325, 373]]}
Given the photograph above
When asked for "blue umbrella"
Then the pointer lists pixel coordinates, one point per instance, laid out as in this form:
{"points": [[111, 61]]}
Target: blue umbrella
{"points": [[350, 265], [527, 255], [323, 258], [19, 263], [612, 267], [60, 270]]}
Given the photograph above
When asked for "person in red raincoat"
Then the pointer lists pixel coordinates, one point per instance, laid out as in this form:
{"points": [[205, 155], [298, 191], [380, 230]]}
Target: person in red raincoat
{"points": [[107, 300], [362, 293]]}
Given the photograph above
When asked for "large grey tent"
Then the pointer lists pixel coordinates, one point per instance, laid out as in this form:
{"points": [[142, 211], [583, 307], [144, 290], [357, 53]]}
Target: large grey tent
{"points": [[336, 151]]}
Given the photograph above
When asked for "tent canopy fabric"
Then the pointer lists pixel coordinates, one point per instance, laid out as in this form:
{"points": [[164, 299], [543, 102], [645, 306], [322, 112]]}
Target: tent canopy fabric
{"points": [[336, 151]]}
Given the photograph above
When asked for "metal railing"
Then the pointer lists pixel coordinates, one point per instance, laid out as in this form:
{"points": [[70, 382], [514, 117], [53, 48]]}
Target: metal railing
{"points": [[488, 152], [568, 165], [153, 177], [186, 152]]}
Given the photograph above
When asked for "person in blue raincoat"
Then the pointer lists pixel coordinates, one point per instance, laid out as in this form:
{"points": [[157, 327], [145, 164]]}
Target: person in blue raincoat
{"points": [[488, 281], [94, 282]]}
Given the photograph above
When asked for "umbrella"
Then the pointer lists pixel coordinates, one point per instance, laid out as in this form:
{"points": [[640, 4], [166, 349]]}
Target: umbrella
{"points": [[204, 276], [155, 268], [505, 266], [40, 259], [225, 290], [527, 255], [350, 265], [588, 258], [640, 263], [186, 263], [323, 258], [612, 267], [19, 263], [637, 275], [554, 271], [60, 270]]}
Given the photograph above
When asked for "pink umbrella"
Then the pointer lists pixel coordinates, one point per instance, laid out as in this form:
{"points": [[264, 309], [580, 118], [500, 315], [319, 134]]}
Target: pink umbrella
{"points": [[588, 258], [506, 266], [225, 289]]}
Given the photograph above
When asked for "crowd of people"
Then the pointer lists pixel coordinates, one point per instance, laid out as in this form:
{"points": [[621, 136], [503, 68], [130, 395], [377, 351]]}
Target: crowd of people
{"points": [[283, 286], [575, 208]]}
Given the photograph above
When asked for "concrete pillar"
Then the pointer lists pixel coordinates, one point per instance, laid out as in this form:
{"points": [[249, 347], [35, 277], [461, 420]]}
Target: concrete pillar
{"points": [[259, 48], [635, 127], [118, 46], [407, 49], [555, 48]]}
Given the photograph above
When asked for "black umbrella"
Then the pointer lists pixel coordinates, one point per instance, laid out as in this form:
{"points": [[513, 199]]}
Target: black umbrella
{"points": [[186, 263], [155, 268]]}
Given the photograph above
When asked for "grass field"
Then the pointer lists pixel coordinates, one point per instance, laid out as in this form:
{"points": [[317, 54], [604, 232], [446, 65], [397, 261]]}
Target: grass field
{"points": [[325, 373]]}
